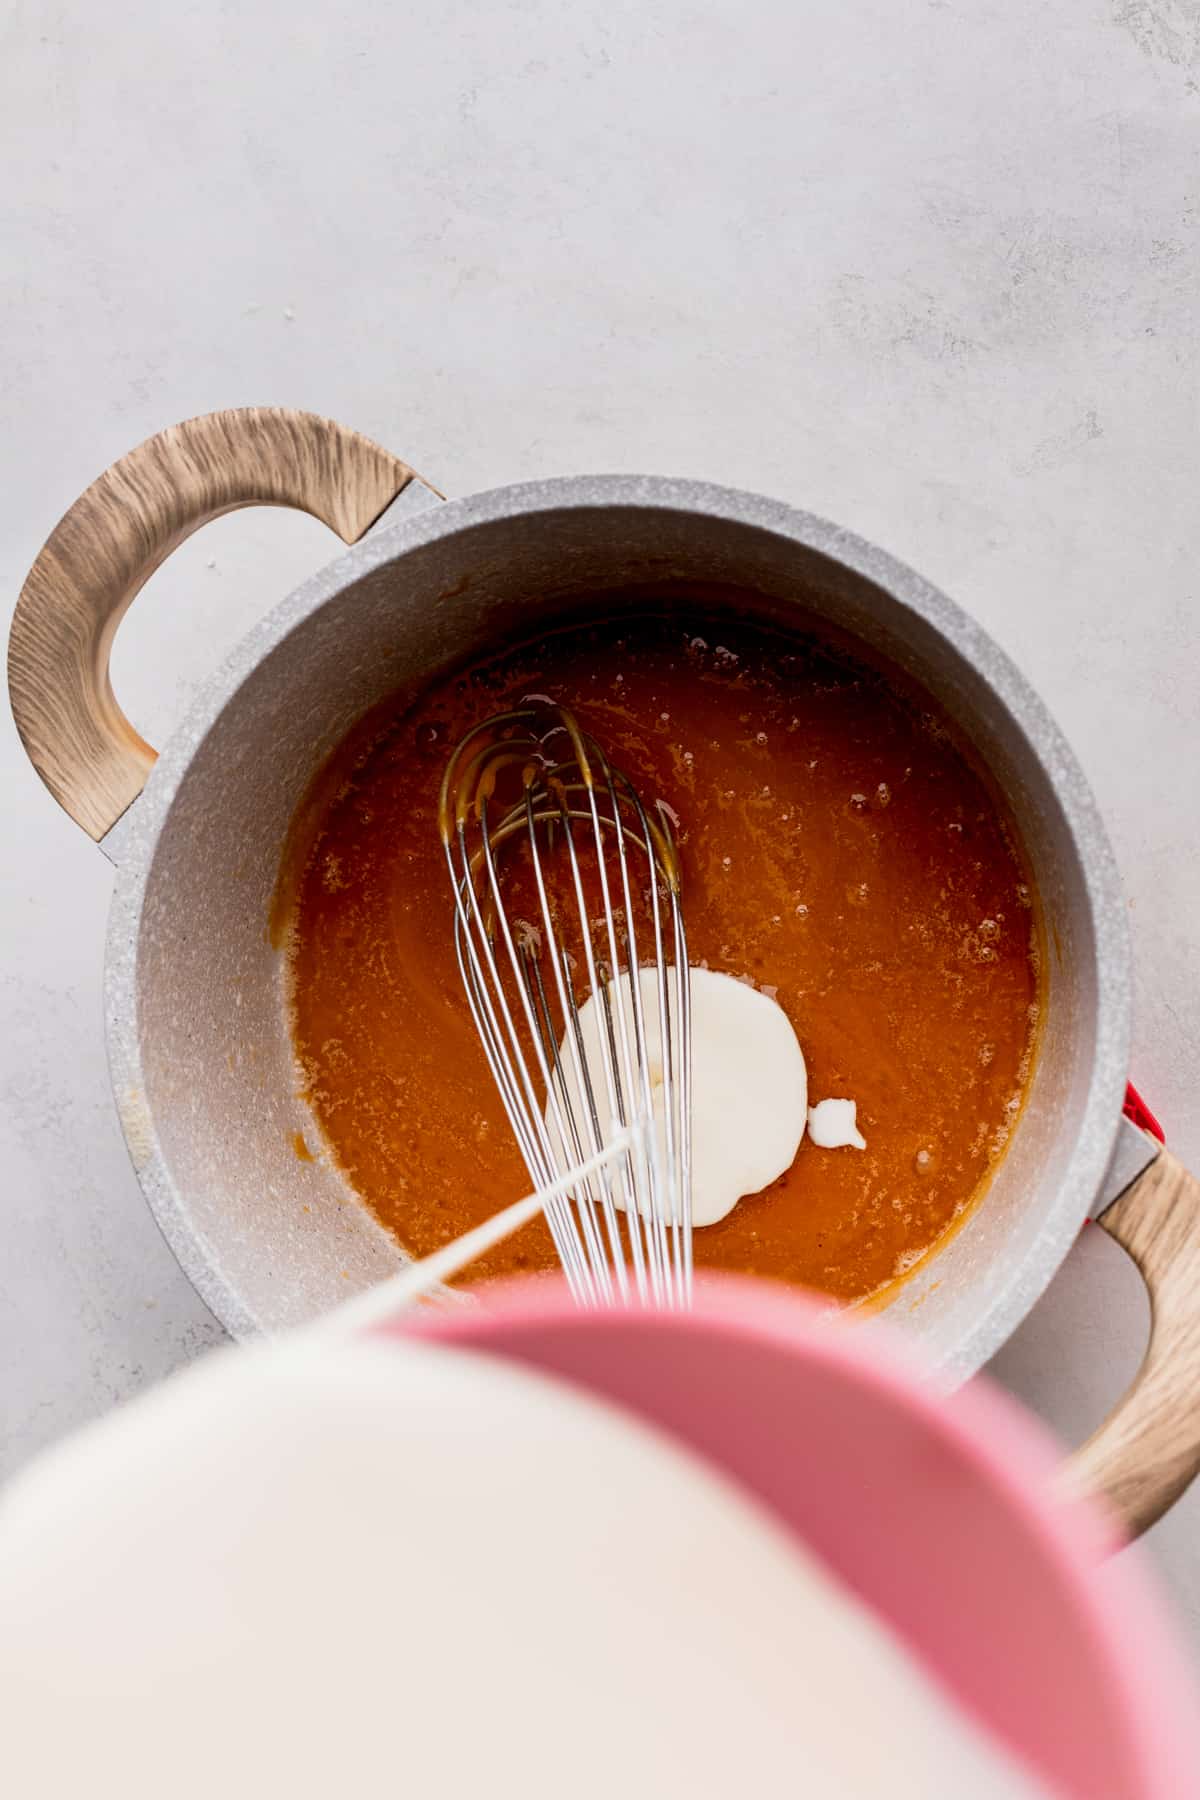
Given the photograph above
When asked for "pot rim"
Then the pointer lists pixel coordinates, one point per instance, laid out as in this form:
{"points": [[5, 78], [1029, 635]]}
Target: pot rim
{"points": [[133, 840]]}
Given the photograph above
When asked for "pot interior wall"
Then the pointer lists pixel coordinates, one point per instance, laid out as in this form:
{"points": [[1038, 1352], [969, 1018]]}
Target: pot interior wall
{"points": [[287, 1235]]}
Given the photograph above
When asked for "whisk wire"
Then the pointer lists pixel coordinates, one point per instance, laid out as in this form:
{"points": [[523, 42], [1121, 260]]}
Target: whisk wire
{"points": [[654, 1223], [599, 986], [473, 959], [573, 1104], [573, 1039], [597, 1277], [675, 1025]]}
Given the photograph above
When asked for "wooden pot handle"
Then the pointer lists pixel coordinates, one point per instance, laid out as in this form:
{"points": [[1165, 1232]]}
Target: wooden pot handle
{"points": [[1148, 1450], [112, 540]]}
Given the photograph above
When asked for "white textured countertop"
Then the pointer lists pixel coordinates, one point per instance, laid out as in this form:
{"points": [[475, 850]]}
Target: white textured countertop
{"points": [[929, 269]]}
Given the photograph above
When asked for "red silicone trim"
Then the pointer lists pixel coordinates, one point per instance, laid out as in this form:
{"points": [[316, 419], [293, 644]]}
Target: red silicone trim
{"points": [[1140, 1114]]}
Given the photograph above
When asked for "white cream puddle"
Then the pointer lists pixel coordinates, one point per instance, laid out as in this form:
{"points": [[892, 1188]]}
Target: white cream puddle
{"points": [[749, 1085]]}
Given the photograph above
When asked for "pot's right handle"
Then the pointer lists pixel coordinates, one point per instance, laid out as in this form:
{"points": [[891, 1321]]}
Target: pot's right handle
{"points": [[1148, 1450], [112, 540]]}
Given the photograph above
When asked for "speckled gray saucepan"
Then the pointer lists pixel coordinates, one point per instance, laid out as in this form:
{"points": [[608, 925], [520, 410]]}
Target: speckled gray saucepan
{"points": [[201, 1060]]}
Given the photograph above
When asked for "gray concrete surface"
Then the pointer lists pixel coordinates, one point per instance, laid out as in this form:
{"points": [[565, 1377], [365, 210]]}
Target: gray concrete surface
{"points": [[930, 269]]}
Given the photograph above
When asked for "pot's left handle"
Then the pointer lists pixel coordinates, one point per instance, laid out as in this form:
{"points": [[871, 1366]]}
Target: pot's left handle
{"points": [[111, 541], [1148, 1450]]}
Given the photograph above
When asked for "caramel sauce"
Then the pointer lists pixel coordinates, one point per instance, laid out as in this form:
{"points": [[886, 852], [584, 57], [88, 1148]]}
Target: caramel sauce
{"points": [[300, 1148], [840, 848]]}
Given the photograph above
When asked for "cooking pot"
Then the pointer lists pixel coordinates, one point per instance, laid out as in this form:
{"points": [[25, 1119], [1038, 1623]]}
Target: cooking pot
{"points": [[200, 1054]]}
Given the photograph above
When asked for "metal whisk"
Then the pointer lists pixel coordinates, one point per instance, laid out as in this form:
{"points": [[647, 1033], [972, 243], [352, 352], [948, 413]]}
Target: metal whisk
{"points": [[571, 946]]}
